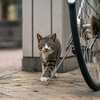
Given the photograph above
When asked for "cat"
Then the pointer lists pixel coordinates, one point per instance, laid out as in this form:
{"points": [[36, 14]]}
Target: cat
{"points": [[50, 50]]}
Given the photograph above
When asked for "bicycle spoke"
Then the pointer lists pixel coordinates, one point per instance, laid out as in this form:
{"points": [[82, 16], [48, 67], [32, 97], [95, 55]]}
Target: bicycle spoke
{"points": [[86, 37], [91, 56]]}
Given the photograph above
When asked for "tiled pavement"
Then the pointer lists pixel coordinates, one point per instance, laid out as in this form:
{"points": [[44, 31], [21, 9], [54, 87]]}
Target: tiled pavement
{"points": [[19, 85]]}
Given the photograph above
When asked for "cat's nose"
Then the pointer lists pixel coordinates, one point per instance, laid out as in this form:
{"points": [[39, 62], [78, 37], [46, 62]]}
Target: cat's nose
{"points": [[46, 49]]}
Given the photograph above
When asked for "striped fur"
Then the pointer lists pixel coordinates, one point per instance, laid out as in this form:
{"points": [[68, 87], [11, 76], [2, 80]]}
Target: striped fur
{"points": [[50, 50]]}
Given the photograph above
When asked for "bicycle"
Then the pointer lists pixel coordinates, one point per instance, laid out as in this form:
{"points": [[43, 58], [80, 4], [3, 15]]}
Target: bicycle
{"points": [[84, 39]]}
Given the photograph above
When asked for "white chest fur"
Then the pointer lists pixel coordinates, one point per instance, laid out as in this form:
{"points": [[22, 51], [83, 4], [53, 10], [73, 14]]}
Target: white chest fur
{"points": [[45, 55]]}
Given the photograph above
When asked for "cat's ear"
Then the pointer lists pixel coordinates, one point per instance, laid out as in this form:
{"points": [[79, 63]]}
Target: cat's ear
{"points": [[39, 37], [53, 37]]}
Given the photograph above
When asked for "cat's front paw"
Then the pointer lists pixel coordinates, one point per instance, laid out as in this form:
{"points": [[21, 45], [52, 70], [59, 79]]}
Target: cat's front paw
{"points": [[44, 79]]}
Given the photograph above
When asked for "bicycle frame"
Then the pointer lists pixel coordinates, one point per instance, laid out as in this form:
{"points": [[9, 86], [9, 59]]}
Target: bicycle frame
{"points": [[79, 13], [79, 19], [79, 22]]}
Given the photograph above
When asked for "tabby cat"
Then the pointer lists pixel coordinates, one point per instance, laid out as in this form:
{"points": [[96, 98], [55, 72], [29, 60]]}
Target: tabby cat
{"points": [[50, 50]]}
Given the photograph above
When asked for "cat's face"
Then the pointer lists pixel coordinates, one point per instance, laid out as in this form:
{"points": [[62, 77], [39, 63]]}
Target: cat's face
{"points": [[46, 44]]}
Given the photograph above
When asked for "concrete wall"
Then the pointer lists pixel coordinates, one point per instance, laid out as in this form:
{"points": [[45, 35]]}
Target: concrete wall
{"points": [[27, 28], [0, 10], [42, 21], [45, 17]]}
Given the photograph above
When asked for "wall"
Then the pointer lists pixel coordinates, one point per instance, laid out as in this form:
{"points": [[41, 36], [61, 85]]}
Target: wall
{"points": [[0, 10], [45, 17]]}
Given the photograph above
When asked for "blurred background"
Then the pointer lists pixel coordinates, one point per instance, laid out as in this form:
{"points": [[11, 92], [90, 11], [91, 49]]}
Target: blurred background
{"points": [[10, 34]]}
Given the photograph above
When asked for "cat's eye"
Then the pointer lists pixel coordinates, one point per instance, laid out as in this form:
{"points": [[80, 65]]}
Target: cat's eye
{"points": [[50, 44], [42, 44]]}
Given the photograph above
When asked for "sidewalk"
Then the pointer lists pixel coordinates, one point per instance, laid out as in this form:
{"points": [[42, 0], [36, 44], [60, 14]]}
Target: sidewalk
{"points": [[10, 59], [19, 85]]}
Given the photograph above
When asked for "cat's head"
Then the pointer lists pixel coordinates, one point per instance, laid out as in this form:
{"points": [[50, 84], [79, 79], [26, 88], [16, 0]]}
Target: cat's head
{"points": [[46, 44]]}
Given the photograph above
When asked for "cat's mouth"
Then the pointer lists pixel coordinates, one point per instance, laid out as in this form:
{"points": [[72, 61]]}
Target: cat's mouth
{"points": [[46, 50]]}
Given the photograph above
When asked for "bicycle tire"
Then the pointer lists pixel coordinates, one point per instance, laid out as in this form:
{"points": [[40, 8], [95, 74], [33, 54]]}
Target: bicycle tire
{"points": [[74, 28]]}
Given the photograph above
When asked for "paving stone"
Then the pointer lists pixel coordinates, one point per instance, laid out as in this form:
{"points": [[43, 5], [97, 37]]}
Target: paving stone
{"points": [[20, 85]]}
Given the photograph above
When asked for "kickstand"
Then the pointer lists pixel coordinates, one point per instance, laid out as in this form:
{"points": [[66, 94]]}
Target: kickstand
{"points": [[67, 51]]}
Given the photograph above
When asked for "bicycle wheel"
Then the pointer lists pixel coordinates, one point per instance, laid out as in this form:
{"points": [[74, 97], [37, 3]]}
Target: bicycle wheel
{"points": [[85, 26]]}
